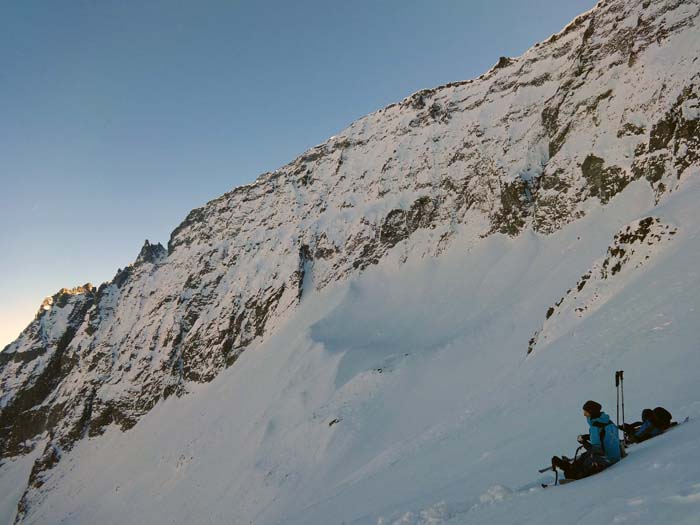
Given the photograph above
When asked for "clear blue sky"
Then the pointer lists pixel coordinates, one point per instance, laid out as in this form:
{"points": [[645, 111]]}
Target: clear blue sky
{"points": [[117, 118]]}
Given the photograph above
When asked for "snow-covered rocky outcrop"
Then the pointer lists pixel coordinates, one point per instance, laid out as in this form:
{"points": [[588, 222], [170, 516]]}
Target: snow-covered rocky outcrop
{"points": [[632, 247], [605, 110]]}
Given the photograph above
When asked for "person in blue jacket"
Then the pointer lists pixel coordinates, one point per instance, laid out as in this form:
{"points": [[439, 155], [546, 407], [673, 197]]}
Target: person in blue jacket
{"points": [[603, 438], [647, 428], [602, 445]]}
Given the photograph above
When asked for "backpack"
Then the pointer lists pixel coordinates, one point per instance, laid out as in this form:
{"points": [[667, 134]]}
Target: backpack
{"points": [[648, 415], [663, 418], [609, 442]]}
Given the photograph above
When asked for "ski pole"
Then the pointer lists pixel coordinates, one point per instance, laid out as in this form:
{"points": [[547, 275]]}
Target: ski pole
{"points": [[617, 392], [622, 391], [553, 469]]}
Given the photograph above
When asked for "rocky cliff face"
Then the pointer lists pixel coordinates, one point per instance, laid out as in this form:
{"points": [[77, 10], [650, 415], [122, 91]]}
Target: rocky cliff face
{"points": [[528, 145]]}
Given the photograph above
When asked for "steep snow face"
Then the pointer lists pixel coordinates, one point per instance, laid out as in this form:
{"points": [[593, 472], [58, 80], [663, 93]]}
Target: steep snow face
{"points": [[406, 396], [607, 105], [631, 249]]}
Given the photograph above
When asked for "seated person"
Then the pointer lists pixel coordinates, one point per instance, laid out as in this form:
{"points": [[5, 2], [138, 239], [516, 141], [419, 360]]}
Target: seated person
{"points": [[653, 423], [602, 445]]}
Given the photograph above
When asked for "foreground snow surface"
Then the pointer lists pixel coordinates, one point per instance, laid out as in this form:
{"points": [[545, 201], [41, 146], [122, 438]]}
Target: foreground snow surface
{"points": [[405, 396]]}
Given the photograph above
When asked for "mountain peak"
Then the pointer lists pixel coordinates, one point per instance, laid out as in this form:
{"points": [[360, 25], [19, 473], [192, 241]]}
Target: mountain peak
{"points": [[61, 297], [151, 253]]}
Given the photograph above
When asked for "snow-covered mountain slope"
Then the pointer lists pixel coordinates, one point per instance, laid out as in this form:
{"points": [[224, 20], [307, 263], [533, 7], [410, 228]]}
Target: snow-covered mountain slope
{"points": [[389, 279], [406, 395]]}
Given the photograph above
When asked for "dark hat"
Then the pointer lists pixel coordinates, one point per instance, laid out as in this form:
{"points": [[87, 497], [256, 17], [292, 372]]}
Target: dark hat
{"points": [[648, 415], [592, 408]]}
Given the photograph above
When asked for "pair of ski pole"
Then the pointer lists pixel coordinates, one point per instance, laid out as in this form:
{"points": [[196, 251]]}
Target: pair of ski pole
{"points": [[620, 386]]}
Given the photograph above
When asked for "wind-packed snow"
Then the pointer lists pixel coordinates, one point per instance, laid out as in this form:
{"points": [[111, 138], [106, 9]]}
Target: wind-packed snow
{"points": [[13, 480], [405, 396]]}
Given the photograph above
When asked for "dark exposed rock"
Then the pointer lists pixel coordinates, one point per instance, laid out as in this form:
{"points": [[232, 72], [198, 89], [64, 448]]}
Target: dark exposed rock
{"points": [[122, 276], [195, 216], [533, 341], [435, 113], [558, 140], [603, 183], [651, 167], [400, 224], [394, 229], [417, 101], [510, 218], [368, 255], [582, 281], [623, 247], [49, 458], [552, 211], [305, 260], [503, 62], [674, 142], [556, 131], [422, 213], [550, 119], [26, 415], [675, 131], [151, 253], [628, 129]]}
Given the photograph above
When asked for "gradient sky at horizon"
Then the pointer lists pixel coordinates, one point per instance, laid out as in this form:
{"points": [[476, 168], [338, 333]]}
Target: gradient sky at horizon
{"points": [[119, 118]]}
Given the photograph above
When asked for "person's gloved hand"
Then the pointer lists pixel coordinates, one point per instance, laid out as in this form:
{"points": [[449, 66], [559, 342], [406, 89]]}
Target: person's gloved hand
{"points": [[581, 438]]}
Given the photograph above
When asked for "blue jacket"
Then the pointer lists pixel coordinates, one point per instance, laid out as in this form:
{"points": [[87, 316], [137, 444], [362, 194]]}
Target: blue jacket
{"points": [[610, 444], [646, 431]]}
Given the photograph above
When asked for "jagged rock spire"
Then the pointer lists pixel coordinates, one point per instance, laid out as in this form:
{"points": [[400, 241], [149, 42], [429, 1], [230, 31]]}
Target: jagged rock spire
{"points": [[151, 253]]}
